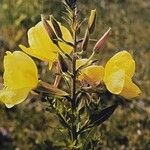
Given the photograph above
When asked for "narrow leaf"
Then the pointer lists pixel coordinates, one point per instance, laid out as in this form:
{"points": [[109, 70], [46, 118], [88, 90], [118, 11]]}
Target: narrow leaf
{"points": [[99, 118], [62, 63]]}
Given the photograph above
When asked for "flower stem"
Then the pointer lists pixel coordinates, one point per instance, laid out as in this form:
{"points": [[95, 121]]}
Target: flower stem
{"points": [[73, 91]]}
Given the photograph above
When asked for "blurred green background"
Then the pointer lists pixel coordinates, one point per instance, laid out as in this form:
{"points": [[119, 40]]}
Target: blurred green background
{"points": [[28, 125]]}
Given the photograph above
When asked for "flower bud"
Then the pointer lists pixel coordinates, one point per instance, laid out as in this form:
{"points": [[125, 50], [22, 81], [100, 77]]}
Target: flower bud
{"points": [[50, 31], [48, 88], [91, 22], [62, 63], [101, 42], [56, 27], [85, 41]]}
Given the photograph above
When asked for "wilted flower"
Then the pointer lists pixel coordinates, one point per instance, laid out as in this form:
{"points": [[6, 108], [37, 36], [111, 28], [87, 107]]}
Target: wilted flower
{"points": [[119, 71], [20, 77], [41, 45]]}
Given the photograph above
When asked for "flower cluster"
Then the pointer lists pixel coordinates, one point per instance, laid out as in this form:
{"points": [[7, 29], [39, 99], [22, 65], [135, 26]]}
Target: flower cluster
{"points": [[21, 75], [20, 71]]}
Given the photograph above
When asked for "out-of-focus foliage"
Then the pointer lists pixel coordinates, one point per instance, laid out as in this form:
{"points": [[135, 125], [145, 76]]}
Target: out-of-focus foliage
{"points": [[26, 126], [19, 15]]}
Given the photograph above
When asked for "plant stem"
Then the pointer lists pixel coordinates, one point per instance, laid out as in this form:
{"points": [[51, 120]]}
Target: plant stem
{"points": [[74, 77], [73, 91]]}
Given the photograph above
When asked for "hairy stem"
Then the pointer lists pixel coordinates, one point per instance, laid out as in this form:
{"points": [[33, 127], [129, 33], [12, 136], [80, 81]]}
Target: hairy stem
{"points": [[73, 91]]}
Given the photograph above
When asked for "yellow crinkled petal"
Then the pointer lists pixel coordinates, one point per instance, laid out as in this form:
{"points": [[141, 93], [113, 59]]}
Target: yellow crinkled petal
{"points": [[20, 71], [122, 60], [51, 57], [66, 34], [67, 37], [39, 40], [80, 62], [115, 81], [65, 47], [92, 74], [42, 47], [130, 90], [13, 97]]}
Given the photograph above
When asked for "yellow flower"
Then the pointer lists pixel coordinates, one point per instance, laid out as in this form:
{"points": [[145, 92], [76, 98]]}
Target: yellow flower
{"points": [[117, 75], [119, 71], [92, 75], [20, 77], [42, 47]]}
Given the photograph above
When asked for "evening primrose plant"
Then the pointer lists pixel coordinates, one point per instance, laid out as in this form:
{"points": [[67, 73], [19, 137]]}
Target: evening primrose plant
{"points": [[84, 94]]}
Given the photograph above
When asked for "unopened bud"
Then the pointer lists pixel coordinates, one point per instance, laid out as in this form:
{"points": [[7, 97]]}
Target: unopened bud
{"points": [[56, 27], [62, 63], [101, 42], [85, 41], [92, 20], [50, 31]]}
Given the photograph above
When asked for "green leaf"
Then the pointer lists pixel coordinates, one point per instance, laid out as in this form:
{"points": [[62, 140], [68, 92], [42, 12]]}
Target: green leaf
{"points": [[99, 118]]}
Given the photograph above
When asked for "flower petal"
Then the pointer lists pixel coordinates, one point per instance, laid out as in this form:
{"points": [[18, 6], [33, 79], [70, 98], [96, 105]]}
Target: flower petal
{"points": [[41, 45], [65, 47], [122, 60], [20, 71], [115, 81], [39, 40], [92, 74], [67, 37], [51, 57], [66, 34], [130, 90], [13, 97]]}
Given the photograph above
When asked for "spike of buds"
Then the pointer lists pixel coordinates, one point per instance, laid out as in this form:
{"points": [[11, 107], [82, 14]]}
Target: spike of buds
{"points": [[92, 20], [71, 3], [56, 26], [101, 42], [85, 41], [50, 31], [62, 63]]}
